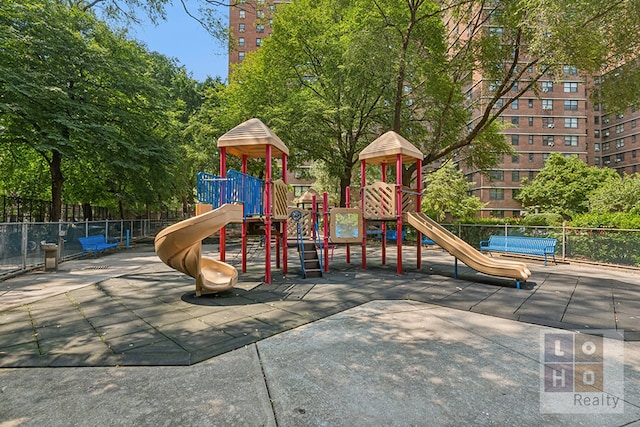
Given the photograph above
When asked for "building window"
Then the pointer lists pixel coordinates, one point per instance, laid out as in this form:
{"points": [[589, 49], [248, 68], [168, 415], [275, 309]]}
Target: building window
{"points": [[258, 42], [530, 121], [596, 120], [514, 104], [496, 193], [596, 147], [547, 104], [596, 133], [515, 139], [596, 160], [241, 28], [242, 14], [548, 122], [495, 31], [531, 103], [620, 128], [496, 175], [515, 158], [547, 87], [571, 141], [515, 176], [515, 120], [619, 157], [570, 104], [241, 56], [241, 41], [606, 160], [571, 122], [633, 124], [633, 154], [620, 143], [547, 140], [498, 103], [545, 156], [530, 157], [570, 70], [497, 214], [633, 139], [259, 28], [260, 14], [571, 87], [514, 87], [530, 139], [606, 146]]}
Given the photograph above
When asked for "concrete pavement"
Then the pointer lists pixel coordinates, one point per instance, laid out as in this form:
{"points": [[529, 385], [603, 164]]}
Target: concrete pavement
{"points": [[133, 346]]}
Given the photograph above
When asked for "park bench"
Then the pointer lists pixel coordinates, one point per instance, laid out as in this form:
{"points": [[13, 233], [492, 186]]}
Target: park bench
{"points": [[95, 244], [521, 245]]}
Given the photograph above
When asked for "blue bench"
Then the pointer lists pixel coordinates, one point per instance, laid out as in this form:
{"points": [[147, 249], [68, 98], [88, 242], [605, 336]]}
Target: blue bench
{"points": [[521, 245], [95, 244]]}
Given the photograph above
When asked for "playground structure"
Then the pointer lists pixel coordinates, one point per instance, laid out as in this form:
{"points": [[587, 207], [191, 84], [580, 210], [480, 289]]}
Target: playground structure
{"points": [[261, 206]]}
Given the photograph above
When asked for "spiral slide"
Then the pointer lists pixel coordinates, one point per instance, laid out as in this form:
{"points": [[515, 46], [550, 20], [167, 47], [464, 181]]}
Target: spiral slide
{"points": [[465, 252], [180, 247]]}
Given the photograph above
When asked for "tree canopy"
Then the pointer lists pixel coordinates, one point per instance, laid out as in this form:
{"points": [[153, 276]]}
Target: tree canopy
{"points": [[563, 185], [86, 103], [447, 192]]}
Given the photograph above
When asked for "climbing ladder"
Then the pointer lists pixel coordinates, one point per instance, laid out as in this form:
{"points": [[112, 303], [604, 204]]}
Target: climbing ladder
{"points": [[310, 259]]}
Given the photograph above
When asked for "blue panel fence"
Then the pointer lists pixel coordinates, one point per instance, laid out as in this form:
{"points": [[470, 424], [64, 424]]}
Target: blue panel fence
{"points": [[236, 187]]}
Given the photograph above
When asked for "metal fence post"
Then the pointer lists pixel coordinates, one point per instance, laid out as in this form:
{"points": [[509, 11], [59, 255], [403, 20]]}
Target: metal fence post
{"points": [[564, 240]]}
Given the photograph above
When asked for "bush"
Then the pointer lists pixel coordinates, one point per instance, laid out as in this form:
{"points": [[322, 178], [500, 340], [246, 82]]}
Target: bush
{"points": [[622, 220], [542, 219]]}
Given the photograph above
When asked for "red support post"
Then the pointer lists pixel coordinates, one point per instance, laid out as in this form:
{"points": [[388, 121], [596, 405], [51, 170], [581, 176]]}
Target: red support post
{"points": [[363, 182], [419, 209], [383, 226], [348, 205], [267, 217], [325, 229], [285, 230], [223, 230], [244, 223], [399, 210]]}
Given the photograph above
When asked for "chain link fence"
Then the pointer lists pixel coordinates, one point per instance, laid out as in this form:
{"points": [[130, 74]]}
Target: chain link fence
{"points": [[21, 243]]}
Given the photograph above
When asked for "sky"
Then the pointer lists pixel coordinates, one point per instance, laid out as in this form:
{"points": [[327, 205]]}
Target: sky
{"points": [[181, 37]]}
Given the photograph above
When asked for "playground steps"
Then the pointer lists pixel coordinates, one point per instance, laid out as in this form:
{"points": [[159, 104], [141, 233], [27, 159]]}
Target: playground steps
{"points": [[311, 261]]}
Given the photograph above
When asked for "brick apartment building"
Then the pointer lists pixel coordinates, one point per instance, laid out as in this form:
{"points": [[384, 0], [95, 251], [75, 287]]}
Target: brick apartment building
{"points": [[559, 119]]}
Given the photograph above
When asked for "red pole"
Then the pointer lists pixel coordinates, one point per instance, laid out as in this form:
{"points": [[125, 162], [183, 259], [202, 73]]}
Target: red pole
{"points": [[383, 226], [285, 230], [348, 205], [244, 223], [399, 210], [223, 174], [419, 209], [325, 229], [363, 182], [267, 218]]}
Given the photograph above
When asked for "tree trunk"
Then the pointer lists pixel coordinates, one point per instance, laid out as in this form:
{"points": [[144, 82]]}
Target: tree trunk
{"points": [[55, 168], [87, 212]]}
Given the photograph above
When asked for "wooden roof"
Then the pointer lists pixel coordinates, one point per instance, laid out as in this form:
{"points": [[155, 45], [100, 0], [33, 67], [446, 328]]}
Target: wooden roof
{"points": [[251, 138], [387, 147], [307, 197]]}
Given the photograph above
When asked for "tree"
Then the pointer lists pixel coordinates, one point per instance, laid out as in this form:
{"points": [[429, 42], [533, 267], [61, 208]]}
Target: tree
{"points": [[618, 194], [82, 98], [447, 191], [563, 185]]}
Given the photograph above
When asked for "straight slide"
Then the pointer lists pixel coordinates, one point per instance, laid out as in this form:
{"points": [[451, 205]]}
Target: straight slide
{"points": [[465, 252], [180, 247]]}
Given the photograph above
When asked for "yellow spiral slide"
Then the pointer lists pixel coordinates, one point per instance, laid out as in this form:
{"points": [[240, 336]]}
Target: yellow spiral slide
{"points": [[180, 247]]}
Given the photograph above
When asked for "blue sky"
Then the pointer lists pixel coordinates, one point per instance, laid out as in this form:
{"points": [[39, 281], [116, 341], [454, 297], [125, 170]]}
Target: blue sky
{"points": [[183, 38]]}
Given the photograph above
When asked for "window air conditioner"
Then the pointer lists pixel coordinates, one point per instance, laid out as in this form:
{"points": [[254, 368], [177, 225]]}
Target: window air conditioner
{"points": [[551, 125], [550, 144], [545, 90]]}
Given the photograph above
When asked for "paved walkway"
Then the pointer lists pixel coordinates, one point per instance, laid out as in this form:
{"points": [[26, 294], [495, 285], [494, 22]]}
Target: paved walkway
{"points": [[365, 346]]}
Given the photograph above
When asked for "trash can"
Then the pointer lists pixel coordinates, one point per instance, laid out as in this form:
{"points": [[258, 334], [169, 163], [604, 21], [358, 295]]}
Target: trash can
{"points": [[50, 256]]}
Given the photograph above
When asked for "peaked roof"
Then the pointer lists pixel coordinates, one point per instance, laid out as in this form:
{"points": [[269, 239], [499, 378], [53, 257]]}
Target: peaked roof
{"points": [[387, 147], [251, 138]]}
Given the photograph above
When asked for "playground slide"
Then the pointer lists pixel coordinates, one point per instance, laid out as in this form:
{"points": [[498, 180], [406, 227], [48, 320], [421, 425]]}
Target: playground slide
{"points": [[465, 252], [180, 247]]}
